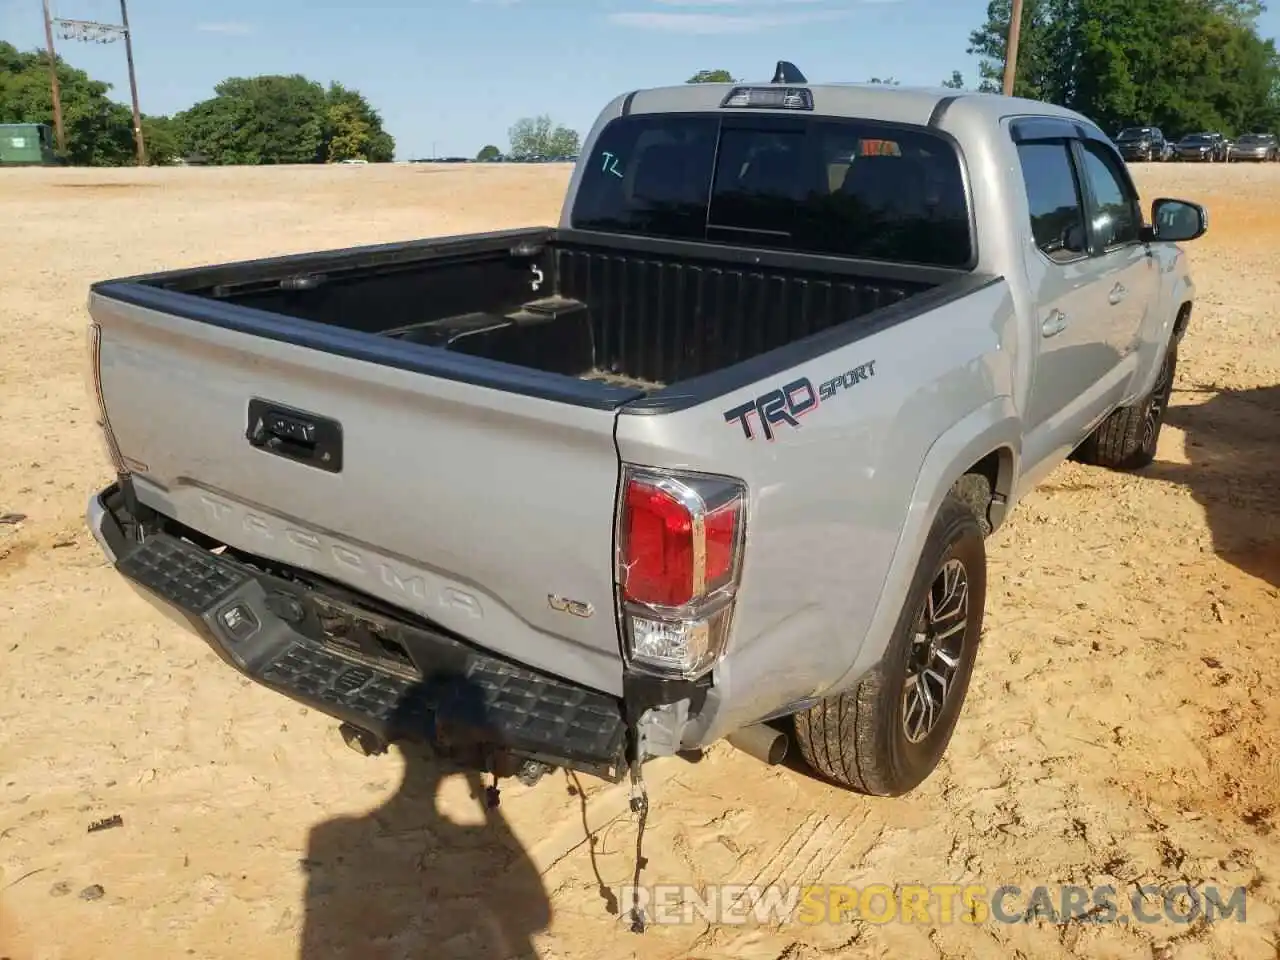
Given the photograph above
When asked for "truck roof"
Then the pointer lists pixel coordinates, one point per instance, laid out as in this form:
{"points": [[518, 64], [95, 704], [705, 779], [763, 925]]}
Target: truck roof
{"points": [[871, 101]]}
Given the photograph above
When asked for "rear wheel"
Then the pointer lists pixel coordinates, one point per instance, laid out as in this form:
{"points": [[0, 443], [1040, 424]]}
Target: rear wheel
{"points": [[1127, 439], [887, 735]]}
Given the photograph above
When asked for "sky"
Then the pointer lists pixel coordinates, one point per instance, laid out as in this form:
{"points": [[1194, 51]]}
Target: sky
{"points": [[449, 76]]}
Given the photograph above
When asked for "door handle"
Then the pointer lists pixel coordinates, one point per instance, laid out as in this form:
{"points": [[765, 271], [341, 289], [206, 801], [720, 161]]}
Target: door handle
{"points": [[295, 435], [1118, 293], [1054, 324]]}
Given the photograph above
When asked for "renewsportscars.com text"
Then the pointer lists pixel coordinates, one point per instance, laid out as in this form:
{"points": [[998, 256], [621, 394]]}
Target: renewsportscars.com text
{"points": [[933, 904]]}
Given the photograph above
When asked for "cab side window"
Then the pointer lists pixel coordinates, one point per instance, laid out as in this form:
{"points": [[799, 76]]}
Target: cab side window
{"points": [[1116, 217], [1053, 198]]}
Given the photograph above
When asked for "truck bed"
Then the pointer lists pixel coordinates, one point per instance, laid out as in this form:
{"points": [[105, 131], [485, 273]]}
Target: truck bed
{"points": [[632, 316], [433, 424]]}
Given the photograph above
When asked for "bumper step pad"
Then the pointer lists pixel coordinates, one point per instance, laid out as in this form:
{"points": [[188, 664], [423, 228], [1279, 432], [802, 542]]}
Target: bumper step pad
{"points": [[451, 694]]}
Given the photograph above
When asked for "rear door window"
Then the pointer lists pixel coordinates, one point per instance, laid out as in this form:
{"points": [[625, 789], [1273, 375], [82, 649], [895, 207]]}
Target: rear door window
{"points": [[843, 188]]}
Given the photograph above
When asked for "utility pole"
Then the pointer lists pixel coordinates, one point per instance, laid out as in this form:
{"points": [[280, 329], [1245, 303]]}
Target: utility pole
{"points": [[54, 89], [1011, 47], [133, 86], [91, 31]]}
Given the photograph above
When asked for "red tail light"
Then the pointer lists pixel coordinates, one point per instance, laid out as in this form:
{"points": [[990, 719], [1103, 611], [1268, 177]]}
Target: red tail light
{"points": [[680, 542], [657, 559], [675, 547]]}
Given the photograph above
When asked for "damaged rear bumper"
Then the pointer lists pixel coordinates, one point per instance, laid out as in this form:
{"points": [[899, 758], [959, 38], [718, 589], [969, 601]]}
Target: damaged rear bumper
{"points": [[397, 677]]}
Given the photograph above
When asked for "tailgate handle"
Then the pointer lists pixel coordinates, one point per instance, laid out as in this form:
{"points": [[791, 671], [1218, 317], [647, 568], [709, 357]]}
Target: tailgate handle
{"points": [[295, 435]]}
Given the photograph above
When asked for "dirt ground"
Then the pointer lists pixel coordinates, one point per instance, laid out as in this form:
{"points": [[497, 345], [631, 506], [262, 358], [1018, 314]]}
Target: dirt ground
{"points": [[1123, 726]]}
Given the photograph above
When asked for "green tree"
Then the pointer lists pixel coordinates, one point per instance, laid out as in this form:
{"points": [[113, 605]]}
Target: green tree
{"points": [[712, 76], [1036, 76], [259, 120], [99, 131], [269, 119], [541, 137], [1179, 64], [488, 153], [284, 119], [956, 82], [163, 137], [346, 133], [353, 128]]}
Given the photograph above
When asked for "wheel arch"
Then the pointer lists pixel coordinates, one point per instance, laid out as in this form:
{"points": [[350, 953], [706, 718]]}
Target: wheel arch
{"points": [[1182, 321], [997, 467], [988, 439]]}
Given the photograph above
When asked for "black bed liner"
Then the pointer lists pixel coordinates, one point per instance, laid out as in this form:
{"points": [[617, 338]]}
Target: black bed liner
{"points": [[592, 319]]}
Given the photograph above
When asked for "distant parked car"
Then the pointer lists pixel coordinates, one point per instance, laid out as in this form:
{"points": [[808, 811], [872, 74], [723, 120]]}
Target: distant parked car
{"points": [[1210, 147], [1264, 147], [1143, 143]]}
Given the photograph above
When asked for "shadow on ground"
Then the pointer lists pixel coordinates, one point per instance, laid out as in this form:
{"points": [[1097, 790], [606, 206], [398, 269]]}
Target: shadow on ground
{"points": [[405, 881], [1233, 445]]}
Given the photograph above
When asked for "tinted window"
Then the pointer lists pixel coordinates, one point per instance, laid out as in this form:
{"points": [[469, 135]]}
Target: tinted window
{"points": [[760, 179], [832, 187], [1115, 216], [1057, 215], [649, 176]]}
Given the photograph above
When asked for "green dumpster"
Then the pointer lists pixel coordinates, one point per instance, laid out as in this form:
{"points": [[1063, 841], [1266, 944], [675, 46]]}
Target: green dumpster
{"points": [[26, 144]]}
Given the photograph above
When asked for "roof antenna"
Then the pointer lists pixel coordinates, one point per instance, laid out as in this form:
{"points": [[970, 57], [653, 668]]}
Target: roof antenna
{"points": [[787, 72]]}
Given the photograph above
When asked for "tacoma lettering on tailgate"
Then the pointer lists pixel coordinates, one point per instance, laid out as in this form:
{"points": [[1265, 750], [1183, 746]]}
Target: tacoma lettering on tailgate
{"points": [[364, 571]]}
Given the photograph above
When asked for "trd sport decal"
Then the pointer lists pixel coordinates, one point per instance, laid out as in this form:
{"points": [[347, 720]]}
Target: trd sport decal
{"points": [[785, 406]]}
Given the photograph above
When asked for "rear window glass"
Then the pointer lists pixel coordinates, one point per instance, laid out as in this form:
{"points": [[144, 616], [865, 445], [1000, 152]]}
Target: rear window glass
{"points": [[834, 187]]}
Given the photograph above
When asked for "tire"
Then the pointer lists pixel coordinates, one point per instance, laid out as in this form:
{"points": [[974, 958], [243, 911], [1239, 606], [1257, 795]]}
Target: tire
{"points": [[1127, 439], [974, 491], [860, 739]]}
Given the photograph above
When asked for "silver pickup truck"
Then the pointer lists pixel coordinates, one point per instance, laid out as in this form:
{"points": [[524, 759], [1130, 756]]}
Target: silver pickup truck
{"points": [[714, 457]]}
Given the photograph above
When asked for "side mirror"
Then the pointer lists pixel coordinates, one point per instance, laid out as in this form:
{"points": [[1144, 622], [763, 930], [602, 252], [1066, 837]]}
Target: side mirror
{"points": [[1177, 220]]}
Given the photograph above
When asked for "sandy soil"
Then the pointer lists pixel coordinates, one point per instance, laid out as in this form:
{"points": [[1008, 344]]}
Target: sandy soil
{"points": [[1123, 727]]}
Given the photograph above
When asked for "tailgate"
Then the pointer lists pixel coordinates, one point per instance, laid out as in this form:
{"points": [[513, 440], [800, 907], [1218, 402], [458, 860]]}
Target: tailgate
{"points": [[486, 511]]}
